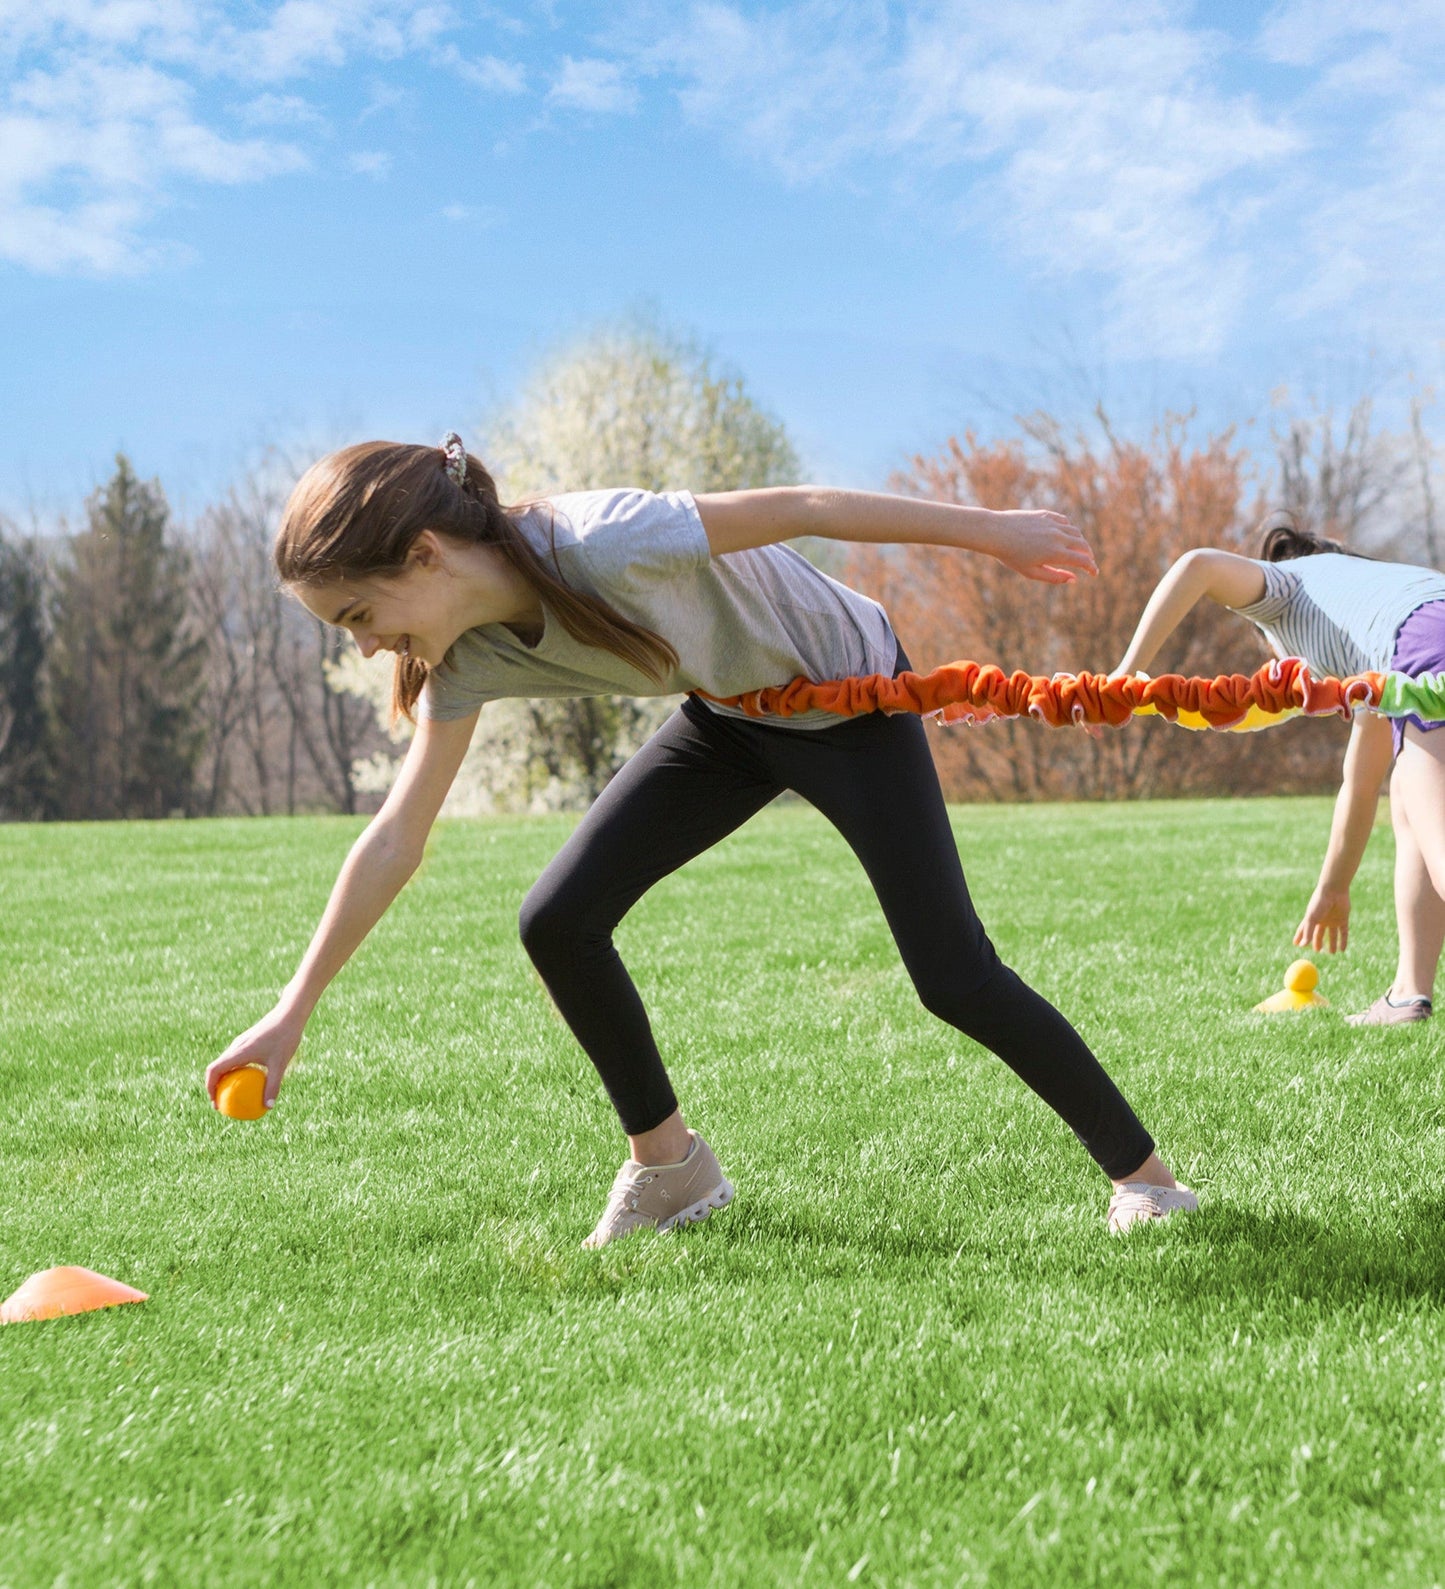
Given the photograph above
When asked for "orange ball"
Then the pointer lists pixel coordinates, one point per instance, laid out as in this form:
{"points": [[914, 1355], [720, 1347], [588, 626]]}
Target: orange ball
{"points": [[239, 1093]]}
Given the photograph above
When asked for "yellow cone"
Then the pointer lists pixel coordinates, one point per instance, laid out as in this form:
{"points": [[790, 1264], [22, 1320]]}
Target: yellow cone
{"points": [[1298, 993]]}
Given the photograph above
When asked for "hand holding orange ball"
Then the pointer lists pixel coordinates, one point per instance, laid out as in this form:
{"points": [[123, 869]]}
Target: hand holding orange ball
{"points": [[241, 1093], [244, 1081]]}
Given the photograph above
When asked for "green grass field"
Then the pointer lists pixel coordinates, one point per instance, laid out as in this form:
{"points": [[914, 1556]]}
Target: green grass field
{"points": [[909, 1353]]}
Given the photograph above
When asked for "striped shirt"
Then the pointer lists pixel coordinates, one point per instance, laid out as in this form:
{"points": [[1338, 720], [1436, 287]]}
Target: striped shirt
{"points": [[1340, 614]]}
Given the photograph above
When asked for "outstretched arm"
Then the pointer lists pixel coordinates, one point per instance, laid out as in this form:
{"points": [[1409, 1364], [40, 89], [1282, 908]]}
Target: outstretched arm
{"points": [[1326, 923], [1039, 545], [1221, 576], [373, 874]]}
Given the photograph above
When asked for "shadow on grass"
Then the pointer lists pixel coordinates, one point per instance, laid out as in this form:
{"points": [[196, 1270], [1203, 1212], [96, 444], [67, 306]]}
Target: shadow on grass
{"points": [[1392, 1251], [1381, 1252]]}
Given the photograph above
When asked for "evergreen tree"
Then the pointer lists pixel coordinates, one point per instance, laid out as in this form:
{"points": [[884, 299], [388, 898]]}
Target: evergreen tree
{"points": [[125, 664], [23, 766]]}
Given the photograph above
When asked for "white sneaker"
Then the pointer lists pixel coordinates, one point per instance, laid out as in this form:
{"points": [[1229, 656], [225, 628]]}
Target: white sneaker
{"points": [[663, 1196], [1138, 1200]]}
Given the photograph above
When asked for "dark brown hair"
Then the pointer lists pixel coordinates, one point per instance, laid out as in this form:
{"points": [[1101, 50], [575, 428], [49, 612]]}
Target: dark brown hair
{"points": [[1282, 540], [355, 514]]}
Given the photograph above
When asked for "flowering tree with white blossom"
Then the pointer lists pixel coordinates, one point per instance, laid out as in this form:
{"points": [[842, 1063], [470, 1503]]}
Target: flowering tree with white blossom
{"points": [[629, 404]]}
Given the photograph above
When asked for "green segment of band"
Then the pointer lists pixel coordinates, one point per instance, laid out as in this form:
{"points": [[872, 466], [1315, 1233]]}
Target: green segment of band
{"points": [[1422, 697]]}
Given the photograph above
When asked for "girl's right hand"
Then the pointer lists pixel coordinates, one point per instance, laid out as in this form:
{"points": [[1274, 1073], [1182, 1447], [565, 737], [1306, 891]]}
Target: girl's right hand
{"points": [[1326, 923], [1041, 544], [272, 1042]]}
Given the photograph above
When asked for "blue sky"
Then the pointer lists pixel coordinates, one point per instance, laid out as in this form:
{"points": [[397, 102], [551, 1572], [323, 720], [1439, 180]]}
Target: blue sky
{"points": [[222, 225]]}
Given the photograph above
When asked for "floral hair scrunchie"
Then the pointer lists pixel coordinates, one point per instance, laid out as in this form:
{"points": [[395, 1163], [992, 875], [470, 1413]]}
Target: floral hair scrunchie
{"points": [[455, 453]]}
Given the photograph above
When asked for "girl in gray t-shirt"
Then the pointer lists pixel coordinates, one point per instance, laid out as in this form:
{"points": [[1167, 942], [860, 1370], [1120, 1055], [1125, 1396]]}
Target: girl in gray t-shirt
{"points": [[640, 593], [1343, 614]]}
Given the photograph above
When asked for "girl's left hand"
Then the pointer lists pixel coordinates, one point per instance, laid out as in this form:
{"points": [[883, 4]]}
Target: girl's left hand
{"points": [[1326, 923], [1043, 545]]}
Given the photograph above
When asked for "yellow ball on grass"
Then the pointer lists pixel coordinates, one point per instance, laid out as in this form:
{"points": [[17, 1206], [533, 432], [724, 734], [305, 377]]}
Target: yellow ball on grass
{"points": [[1302, 977]]}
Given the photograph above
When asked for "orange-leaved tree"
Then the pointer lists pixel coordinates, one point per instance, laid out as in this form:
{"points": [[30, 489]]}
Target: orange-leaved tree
{"points": [[1141, 505]]}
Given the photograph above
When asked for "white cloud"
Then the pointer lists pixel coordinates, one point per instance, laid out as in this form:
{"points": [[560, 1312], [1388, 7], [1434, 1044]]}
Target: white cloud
{"points": [[1306, 33], [1111, 152], [1098, 139], [301, 36], [591, 85], [382, 98], [106, 23], [487, 72], [94, 237], [1107, 140], [806, 88], [483, 215], [1086, 136], [111, 138], [106, 105], [1365, 213], [370, 163], [1378, 241], [281, 110]]}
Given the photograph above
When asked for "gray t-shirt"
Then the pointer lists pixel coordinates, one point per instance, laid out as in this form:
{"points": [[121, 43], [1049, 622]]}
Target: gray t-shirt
{"points": [[742, 621], [1340, 614]]}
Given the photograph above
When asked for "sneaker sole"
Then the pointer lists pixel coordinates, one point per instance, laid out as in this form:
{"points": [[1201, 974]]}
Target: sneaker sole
{"points": [[695, 1213]]}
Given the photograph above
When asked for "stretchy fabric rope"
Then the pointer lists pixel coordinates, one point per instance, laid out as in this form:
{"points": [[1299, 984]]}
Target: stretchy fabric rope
{"points": [[970, 692]]}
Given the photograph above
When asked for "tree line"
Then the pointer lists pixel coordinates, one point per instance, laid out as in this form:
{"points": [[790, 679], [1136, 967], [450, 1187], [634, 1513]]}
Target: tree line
{"points": [[150, 669], [151, 672]]}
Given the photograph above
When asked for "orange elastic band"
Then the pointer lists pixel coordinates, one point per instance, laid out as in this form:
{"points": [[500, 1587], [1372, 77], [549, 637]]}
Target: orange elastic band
{"points": [[976, 692]]}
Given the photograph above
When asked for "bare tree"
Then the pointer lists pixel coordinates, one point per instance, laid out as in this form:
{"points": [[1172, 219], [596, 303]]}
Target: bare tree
{"points": [[1422, 453], [1141, 504], [278, 738], [1337, 480], [332, 730], [236, 600]]}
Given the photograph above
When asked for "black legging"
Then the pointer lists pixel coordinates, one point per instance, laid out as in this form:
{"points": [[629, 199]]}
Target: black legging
{"points": [[702, 775]]}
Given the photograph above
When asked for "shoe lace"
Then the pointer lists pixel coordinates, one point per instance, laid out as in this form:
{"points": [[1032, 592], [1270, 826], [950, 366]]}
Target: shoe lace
{"points": [[626, 1184], [1137, 1199]]}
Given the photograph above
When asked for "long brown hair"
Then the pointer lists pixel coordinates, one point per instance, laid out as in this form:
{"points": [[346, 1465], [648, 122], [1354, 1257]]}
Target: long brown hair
{"points": [[355, 514], [1283, 539]]}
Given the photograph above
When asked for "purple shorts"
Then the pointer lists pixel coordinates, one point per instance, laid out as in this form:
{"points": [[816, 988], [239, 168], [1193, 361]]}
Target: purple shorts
{"points": [[1419, 648]]}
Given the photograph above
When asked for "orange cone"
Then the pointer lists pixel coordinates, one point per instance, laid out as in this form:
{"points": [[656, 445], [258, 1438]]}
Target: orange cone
{"points": [[68, 1289]]}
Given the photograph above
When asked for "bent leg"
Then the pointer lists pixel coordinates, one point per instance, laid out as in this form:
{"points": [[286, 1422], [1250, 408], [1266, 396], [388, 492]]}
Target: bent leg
{"points": [[681, 793], [885, 799]]}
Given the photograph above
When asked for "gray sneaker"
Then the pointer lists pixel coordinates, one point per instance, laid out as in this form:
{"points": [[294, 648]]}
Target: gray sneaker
{"points": [[1137, 1201], [1386, 1011], [663, 1196]]}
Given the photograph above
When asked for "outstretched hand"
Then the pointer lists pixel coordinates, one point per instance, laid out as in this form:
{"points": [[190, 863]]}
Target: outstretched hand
{"points": [[271, 1043], [1043, 545], [1326, 923]]}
